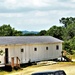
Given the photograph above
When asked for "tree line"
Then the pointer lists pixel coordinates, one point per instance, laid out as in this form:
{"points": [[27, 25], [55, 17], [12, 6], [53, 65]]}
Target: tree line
{"points": [[65, 32]]}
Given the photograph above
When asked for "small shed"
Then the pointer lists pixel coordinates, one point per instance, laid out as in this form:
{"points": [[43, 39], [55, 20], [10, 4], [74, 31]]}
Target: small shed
{"points": [[22, 49]]}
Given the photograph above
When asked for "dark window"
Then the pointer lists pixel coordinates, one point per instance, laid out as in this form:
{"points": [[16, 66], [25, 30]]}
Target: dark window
{"points": [[57, 47], [22, 50], [35, 49], [46, 48]]}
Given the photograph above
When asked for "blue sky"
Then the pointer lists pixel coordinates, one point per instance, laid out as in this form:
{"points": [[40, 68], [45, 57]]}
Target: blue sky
{"points": [[35, 15]]}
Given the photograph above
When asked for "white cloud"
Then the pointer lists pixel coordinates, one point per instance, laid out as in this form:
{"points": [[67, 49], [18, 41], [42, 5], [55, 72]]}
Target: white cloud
{"points": [[24, 3], [35, 14], [72, 0], [10, 1], [33, 5], [10, 15]]}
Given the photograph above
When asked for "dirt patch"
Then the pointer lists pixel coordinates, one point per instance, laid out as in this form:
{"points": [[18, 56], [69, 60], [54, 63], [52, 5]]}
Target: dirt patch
{"points": [[68, 67]]}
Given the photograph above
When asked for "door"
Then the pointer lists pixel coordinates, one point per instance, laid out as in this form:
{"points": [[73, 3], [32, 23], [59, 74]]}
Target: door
{"points": [[6, 55]]}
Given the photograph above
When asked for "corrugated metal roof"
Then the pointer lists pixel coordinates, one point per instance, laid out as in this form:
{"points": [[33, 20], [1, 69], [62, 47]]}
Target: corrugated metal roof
{"points": [[28, 40]]}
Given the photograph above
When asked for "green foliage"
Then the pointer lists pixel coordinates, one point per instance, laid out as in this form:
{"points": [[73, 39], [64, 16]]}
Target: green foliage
{"points": [[71, 31], [56, 32], [69, 38], [42, 32], [1, 52], [67, 21], [7, 30], [72, 43], [66, 45], [16, 33]]}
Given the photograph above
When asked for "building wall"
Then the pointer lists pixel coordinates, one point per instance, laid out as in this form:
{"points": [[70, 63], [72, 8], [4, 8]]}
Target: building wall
{"points": [[43, 54], [29, 53]]}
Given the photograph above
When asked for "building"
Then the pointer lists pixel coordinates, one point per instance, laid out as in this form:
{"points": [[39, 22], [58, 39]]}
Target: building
{"points": [[29, 48]]}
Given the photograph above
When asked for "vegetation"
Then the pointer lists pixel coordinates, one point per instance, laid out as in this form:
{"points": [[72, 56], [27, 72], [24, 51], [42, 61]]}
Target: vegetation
{"points": [[7, 30], [1, 52], [42, 32], [56, 32], [65, 33]]}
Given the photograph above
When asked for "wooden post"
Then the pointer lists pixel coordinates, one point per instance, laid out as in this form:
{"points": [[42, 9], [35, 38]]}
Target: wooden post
{"points": [[19, 63], [16, 61], [12, 62]]}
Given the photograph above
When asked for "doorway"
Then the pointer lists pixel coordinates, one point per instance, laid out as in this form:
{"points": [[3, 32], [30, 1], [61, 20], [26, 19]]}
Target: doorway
{"points": [[6, 55]]}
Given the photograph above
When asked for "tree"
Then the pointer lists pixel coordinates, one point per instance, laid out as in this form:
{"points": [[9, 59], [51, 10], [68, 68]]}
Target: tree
{"points": [[67, 21], [42, 32], [7, 30], [57, 32], [71, 30], [16, 33], [69, 25], [67, 46], [72, 43]]}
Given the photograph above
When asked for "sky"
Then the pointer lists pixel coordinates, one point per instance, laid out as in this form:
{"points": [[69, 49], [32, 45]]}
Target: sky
{"points": [[35, 15]]}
